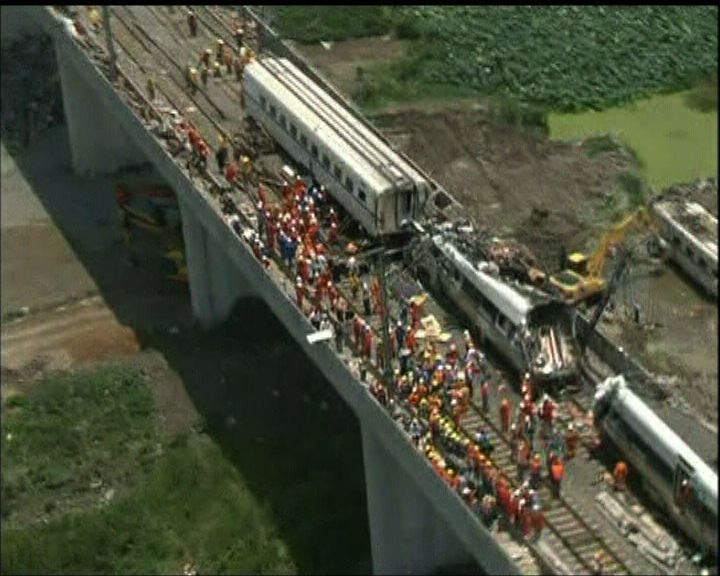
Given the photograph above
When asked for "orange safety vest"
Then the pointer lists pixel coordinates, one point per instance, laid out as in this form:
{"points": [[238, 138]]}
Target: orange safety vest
{"points": [[558, 470]]}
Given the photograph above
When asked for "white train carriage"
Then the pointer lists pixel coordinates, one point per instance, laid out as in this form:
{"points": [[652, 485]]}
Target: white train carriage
{"points": [[363, 173], [681, 482], [530, 331]]}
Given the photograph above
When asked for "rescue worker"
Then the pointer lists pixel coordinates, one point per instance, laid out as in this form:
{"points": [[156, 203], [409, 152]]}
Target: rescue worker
{"points": [[558, 472], [485, 395], [221, 156], [228, 60], [204, 74], [238, 67], [571, 441], [366, 299], [205, 57], [239, 33], [538, 520], [231, 172], [219, 49], [192, 23], [598, 563], [620, 475], [151, 88], [505, 412], [536, 470], [191, 76], [339, 335], [217, 70]]}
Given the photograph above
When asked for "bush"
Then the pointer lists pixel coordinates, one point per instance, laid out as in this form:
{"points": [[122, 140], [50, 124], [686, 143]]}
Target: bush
{"points": [[408, 29], [634, 188], [516, 114]]}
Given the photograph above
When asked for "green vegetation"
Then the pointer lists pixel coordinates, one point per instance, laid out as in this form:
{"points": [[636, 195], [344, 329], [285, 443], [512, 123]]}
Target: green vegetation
{"points": [[673, 142], [326, 23], [192, 506], [704, 96], [564, 58], [221, 499], [73, 430]]}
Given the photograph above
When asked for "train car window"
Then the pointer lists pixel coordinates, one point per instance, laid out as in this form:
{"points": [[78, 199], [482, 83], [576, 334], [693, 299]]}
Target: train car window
{"points": [[326, 161], [282, 121], [263, 102], [702, 262], [689, 252], [362, 195], [303, 140], [273, 110], [314, 150], [293, 130], [338, 172], [349, 184], [676, 240]]}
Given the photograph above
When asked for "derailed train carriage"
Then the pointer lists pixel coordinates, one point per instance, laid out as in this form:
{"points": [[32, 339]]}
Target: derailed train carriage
{"points": [[674, 475], [531, 330], [375, 184]]}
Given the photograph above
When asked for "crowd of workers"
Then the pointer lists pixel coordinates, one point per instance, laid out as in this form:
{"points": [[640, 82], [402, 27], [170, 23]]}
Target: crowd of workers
{"points": [[432, 384]]}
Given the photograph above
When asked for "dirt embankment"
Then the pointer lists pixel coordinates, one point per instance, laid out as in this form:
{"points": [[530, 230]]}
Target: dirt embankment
{"points": [[543, 193]]}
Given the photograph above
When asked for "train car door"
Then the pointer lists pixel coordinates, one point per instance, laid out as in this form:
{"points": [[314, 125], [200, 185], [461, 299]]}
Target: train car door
{"points": [[682, 486]]}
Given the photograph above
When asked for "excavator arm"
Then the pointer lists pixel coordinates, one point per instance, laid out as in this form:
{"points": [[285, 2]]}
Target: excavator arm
{"points": [[639, 220]]}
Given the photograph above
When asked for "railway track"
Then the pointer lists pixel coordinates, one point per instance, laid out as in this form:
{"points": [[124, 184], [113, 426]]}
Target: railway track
{"points": [[567, 529]]}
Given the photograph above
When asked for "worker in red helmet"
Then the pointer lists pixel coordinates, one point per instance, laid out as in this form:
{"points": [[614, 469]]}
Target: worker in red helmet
{"points": [[620, 475]]}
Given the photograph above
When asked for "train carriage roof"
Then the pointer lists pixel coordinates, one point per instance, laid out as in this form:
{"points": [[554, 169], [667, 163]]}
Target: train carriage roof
{"points": [[368, 155], [510, 302]]}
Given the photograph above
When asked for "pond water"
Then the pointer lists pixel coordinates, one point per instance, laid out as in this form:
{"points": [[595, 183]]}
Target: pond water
{"points": [[676, 143]]}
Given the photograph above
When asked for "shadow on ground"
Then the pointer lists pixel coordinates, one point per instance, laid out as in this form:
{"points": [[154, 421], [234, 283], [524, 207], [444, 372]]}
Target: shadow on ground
{"points": [[273, 413]]}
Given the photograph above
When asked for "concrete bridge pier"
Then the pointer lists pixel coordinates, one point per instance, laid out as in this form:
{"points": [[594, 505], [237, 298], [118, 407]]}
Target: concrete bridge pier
{"points": [[216, 282], [98, 143], [407, 535]]}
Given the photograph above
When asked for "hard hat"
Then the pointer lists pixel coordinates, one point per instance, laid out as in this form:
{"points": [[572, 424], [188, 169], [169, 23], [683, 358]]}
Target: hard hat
{"points": [[220, 42], [571, 427], [208, 51]]}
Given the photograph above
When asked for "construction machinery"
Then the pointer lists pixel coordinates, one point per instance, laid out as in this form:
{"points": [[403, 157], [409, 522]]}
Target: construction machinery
{"points": [[155, 209], [583, 278]]}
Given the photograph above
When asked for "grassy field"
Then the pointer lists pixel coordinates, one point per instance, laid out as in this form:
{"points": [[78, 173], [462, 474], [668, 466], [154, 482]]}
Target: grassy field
{"points": [[674, 141], [564, 58], [89, 486]]}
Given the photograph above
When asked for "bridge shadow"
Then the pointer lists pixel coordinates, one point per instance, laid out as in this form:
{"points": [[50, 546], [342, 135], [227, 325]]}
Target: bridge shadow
{"points": [[275, 416]]}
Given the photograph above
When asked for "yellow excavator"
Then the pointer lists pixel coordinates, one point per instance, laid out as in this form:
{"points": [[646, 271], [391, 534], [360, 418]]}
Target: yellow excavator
{"points": [[583, 277]]}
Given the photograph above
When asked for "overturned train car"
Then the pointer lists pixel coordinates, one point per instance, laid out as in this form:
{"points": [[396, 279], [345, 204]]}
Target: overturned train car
{"points": [[531, 330], [680, 481]]}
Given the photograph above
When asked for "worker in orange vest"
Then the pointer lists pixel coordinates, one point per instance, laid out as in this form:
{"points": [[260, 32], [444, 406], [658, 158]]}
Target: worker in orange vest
{"points": [[620, 475], [485, 395], [505, 412], [558, 472], [571, 441]]}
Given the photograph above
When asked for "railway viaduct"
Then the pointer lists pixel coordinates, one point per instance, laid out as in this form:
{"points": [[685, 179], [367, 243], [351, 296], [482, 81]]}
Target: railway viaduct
{"points": [[417, 524]]}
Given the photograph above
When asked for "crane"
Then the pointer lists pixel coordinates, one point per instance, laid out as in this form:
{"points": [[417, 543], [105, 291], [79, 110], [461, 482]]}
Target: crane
{"points": [[583, 278], [620, 267]]}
